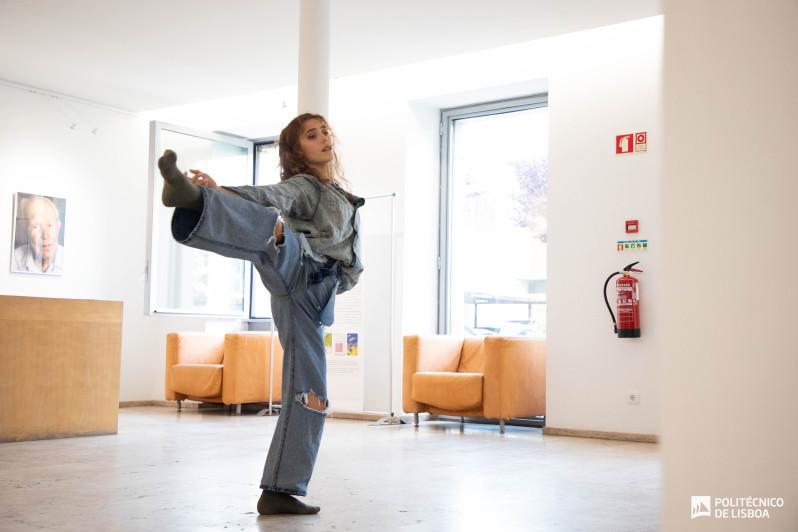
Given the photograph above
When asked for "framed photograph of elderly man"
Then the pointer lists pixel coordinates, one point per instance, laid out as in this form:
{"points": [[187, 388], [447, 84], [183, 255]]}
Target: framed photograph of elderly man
{"points": [[38, 234]]}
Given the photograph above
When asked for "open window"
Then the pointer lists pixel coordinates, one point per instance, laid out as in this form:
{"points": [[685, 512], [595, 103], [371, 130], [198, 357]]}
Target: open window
{"points": [[183, 280]]}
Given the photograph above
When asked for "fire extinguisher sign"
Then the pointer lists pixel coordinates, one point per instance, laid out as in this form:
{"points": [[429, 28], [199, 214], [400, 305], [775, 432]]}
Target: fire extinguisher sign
{"points": [[631, 143]]}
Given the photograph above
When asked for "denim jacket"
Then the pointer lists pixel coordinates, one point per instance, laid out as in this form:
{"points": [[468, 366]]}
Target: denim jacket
{"points": [[323, 217]]}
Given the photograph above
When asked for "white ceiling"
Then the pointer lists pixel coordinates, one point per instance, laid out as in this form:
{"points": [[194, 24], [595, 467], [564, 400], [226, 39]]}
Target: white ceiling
{"points": [[140, 55]]}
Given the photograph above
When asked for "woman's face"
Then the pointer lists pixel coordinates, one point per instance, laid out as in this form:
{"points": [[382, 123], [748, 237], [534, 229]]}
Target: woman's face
{"points": [[315, 143]]}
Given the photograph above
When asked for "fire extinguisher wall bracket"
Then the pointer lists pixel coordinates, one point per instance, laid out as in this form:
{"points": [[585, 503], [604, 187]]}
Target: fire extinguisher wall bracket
{"points": [[627, 300]]}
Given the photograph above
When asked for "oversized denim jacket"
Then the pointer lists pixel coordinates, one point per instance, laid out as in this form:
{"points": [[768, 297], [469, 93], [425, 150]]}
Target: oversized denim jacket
{"points": [[323, 217]]}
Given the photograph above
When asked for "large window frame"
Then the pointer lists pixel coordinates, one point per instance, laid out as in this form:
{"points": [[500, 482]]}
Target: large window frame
{"points": [[158, 261], [447, 127], [264, 174]]}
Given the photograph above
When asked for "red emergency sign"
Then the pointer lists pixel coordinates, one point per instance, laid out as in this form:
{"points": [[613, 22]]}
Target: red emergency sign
{"points": [[631, 143]]}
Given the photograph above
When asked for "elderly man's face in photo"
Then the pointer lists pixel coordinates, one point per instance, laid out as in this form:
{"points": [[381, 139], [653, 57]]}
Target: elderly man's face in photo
{"points": [[43, 228]]}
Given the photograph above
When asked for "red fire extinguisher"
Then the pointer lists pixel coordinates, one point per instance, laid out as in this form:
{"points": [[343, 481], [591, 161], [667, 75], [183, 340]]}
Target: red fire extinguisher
{"points": [[628, 301]]}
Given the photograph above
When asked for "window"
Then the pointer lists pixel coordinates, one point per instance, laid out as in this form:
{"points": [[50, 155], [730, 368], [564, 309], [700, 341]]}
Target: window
{"points": [[184, 280], [267, 171], [493, 218]]}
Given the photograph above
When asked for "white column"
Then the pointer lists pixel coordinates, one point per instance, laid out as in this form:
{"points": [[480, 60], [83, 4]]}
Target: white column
{"points": [[314, 57]]}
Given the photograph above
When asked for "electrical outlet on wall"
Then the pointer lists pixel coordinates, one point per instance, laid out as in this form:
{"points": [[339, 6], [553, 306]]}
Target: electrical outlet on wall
{"points": [[633, 397]]}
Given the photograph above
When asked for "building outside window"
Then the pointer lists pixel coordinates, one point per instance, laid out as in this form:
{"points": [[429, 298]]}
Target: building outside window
{"points": [[494, 218]]}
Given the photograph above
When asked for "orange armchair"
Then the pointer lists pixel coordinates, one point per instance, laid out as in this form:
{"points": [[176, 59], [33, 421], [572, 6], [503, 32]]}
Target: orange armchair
{"points": [[232, 368], [494, 377]]}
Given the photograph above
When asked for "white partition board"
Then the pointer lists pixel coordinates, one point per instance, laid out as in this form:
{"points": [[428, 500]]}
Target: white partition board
{"points": [[359, 342]]}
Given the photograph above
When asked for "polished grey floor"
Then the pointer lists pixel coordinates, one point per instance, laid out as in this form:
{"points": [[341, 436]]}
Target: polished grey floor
{"points": [[199, 471]]}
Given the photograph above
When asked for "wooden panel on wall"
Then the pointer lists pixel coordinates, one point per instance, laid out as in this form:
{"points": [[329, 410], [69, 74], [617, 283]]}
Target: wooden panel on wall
{"points": [[60, 361]]}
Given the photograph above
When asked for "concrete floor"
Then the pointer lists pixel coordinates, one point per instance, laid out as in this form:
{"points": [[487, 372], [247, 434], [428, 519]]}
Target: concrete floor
{"points": [[199, 471]]}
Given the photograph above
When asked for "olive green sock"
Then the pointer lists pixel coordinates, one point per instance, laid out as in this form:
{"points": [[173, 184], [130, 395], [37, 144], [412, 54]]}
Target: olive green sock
{"points": [[276, 502], [178, 191]]}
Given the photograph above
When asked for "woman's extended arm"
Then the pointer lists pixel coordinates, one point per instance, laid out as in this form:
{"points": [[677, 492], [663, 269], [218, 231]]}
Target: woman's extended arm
{"points": [[202, 179]]}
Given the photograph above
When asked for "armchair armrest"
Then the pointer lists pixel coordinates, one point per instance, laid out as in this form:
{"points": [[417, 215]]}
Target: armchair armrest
{"points": [[247, 367], [515, 377], [427, 353]]}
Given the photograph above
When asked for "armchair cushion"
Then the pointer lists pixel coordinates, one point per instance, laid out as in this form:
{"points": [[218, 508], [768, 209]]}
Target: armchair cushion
{"points": [[452, 391], [199, 380]]}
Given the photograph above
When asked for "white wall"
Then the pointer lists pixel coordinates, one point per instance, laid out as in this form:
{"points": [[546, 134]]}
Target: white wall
{"points": [[730, 358], [387, 121], [103, 177], [602, 86]]}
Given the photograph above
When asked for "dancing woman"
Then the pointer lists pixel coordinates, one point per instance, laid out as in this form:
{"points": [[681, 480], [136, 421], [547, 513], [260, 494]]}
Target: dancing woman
{"points": [[301, 235]]}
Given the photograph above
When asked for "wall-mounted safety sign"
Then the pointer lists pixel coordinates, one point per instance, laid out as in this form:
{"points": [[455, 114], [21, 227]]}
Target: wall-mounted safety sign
{"points": [[631, 143], [632, 245]]}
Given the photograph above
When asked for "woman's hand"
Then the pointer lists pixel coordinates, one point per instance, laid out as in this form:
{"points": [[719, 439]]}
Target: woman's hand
{"points": [[202, 179]]}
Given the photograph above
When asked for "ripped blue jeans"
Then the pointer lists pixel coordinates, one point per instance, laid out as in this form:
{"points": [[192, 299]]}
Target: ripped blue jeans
{"points": [[303, 298]]}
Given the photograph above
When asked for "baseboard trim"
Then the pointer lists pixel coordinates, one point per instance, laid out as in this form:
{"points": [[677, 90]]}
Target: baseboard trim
{"points": [[185, 404], [601, 435], [127, 404], [362, 416], [193, 405]]}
